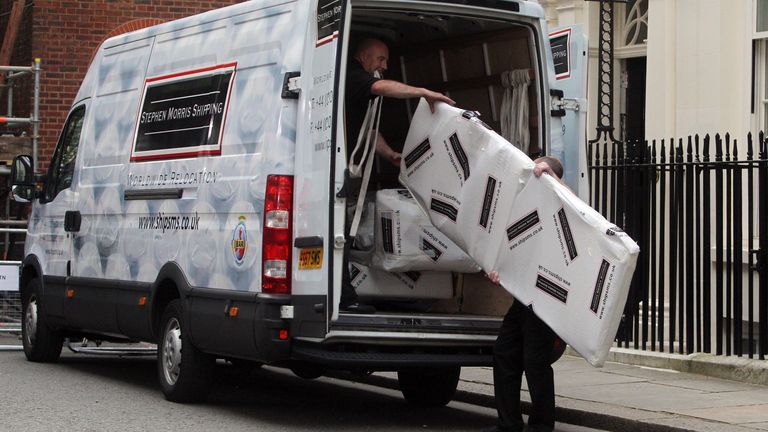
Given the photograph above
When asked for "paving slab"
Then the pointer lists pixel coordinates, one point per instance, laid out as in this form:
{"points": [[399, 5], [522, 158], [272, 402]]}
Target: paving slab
{"points": [[740, 415]]}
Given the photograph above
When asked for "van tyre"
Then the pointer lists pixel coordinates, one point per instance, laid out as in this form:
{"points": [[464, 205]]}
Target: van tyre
{"points": [[307, 371], [41, 343], [429, 387], [185, 372]]}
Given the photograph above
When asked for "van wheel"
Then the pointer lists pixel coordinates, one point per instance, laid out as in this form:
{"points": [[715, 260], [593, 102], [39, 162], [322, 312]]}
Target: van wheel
{"points": [[307, 370], [429, 387], [41, 343], [185, 372]]}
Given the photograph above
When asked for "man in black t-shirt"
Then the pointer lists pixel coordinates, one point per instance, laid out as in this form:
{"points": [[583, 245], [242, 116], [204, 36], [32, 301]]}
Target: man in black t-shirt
{"points": [[361, 87]]}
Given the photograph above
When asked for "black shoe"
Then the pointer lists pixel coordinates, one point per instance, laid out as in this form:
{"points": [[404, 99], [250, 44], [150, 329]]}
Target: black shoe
{"points": [[499, 429], [357, 307], [537, 428]]}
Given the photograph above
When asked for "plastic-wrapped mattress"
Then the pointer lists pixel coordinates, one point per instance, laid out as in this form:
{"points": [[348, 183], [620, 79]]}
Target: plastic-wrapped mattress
{"points": [[553, 252]]}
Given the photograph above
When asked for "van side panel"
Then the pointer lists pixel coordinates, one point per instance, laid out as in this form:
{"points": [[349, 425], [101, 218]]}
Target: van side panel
{"points": [[140, 213]]}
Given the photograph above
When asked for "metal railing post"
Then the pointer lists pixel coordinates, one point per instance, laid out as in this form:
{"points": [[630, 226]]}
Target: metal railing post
{"points": [[36, 115]]}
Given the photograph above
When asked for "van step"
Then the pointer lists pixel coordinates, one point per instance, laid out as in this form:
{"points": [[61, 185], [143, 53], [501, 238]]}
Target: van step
{"points": [[384, 361], [416, 323]]}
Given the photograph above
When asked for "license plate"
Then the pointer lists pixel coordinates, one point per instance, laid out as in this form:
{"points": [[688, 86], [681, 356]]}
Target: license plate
{"points": [[310, 258]]}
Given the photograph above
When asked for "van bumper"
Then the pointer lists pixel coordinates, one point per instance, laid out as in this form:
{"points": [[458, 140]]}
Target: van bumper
{"points": [[375, 356]]}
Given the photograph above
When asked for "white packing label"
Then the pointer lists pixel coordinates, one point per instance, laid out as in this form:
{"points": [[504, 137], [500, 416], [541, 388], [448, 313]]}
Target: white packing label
{"points": [[9, 278]]}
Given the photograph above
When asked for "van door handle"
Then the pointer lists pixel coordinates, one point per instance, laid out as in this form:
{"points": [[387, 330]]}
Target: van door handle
{"points": [[72, 220]]}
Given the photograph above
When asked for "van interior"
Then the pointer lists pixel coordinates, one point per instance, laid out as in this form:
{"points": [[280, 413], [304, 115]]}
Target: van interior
{"points": [[463, 57]]}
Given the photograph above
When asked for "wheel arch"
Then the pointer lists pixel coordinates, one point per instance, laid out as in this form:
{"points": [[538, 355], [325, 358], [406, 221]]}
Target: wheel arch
{"points": [[170, 284], [30, 269]]}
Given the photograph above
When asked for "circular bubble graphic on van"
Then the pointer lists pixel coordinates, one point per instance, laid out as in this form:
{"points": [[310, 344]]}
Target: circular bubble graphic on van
{"points": [[240, 241]]}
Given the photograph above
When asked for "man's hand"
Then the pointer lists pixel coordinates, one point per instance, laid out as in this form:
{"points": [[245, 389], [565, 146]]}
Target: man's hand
{"points": [[493, 277], [385, 151], [394, 158], [543, 167], [433, 97]]}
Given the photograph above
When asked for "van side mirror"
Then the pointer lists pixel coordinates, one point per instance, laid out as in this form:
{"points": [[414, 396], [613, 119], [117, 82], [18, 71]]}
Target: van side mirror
{"points": [[22, 179]]}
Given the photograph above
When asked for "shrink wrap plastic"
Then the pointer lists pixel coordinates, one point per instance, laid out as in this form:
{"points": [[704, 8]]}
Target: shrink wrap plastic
{"points": [[553, 252]]}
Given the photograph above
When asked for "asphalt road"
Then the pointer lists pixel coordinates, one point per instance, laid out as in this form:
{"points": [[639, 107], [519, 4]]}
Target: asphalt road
{"points": [[95, 393]]}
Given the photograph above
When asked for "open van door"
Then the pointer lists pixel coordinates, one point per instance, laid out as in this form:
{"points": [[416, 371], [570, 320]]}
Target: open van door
{"points": [[569, 52], [320, 163]]}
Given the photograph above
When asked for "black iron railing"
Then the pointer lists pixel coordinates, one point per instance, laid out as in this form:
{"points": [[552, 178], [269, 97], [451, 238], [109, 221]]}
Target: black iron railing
{"points": [[699, 213]]}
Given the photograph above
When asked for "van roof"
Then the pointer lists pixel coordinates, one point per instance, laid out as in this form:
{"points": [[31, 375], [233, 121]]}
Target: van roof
{"points": [[530, 8]]}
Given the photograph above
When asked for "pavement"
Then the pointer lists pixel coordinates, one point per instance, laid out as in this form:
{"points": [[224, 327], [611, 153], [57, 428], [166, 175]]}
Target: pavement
{"points": [[633, 391], [636, 397]]}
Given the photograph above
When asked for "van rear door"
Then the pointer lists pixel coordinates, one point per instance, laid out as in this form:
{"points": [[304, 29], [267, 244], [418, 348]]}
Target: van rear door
{"points": [[569, 52], [319, 168]]}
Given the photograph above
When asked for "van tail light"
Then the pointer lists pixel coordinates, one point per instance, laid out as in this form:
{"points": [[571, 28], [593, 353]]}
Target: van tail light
{"points": [[277, 242]]}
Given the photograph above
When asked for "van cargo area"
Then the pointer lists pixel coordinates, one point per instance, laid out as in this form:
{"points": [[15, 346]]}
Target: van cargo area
{"points": [[463, 57]]}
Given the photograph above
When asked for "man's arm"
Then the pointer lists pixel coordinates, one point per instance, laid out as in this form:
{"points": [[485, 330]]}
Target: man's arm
{"points": [[385, 151], [398, 90]]}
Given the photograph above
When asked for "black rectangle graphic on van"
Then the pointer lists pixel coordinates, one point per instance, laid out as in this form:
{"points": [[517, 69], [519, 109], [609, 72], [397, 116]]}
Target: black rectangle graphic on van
{"points": [[490, 190], [460, 154], [599, 285], [417, 153], [444, 209], [183, 114], [552, 288], [430, 250], [527, 222], [328, 17], [567, 234], [387, 234]]}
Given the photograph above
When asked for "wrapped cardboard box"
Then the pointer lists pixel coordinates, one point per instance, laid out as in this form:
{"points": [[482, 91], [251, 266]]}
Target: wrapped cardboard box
{"points": [[376, 284], [406, 240]]}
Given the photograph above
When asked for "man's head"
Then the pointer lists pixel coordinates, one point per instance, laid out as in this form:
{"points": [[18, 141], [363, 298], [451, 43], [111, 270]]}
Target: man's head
{"points": [[553, 163], [372, 54]]}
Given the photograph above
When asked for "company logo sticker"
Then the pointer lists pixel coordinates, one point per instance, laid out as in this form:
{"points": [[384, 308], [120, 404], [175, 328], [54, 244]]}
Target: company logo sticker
{"points": [[490, 191], [354, 272], [430, 250], [570, 244], [527, 222], [445, 209], [552, 288], [387, 232], [599, 285], [240, 241], [461, 155], [416, 154]]}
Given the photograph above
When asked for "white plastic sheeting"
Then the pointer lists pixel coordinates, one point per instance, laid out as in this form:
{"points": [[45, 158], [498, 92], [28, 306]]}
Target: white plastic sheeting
{"points": [[552, 251]]}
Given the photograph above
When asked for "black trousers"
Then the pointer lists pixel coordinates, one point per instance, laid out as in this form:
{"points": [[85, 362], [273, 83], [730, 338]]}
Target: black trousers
{"points": [[524, 344]]}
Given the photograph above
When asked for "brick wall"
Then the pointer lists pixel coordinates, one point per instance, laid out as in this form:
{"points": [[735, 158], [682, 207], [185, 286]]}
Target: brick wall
{"points": [[65, 34]]}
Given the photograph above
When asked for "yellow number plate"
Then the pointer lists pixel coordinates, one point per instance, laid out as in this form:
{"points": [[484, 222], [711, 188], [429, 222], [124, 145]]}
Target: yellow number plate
{"points": [[310, 258]]}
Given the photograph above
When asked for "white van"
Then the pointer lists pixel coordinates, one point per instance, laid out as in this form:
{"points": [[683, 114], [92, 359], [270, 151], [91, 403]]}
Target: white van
{"points": [[195, 198]]}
